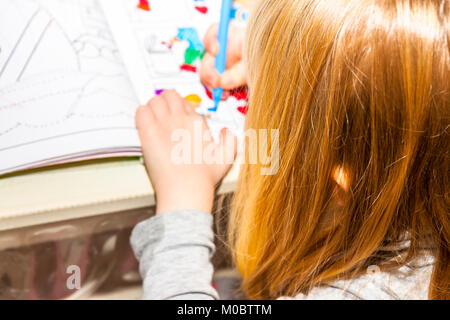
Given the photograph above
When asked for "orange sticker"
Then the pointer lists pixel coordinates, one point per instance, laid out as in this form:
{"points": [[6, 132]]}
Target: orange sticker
{"points": [[194, 100]]}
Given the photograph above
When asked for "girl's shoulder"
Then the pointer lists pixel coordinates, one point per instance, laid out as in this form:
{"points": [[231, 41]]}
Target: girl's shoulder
{"points": [[408, 282]]}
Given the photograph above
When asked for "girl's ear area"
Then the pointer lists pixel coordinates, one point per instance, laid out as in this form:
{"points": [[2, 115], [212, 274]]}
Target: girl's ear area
{"points": [[340, 176]]}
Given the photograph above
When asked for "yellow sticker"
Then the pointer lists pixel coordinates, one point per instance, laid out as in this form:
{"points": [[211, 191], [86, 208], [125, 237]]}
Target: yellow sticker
{"points": [[194, 100]]}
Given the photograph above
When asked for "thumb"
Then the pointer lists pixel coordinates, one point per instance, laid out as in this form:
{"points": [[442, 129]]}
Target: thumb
{"points": [[234, 77], [210, 40]]}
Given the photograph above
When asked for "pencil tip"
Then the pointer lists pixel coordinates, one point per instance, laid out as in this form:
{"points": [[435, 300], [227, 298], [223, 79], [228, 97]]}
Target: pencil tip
{"points": [[216, 105]]}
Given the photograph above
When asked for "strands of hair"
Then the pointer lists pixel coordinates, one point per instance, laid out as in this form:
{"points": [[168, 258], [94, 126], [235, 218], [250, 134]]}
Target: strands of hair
{"points": [[359, 91]]}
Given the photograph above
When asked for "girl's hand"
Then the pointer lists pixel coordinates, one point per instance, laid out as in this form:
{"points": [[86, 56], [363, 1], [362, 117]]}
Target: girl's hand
{"points": [[235, 75], [182, 160]]}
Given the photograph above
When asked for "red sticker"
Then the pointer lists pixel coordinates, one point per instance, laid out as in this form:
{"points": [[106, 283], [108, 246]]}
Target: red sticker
{"points": [[243, 110], [202, 9], [188, 68]]}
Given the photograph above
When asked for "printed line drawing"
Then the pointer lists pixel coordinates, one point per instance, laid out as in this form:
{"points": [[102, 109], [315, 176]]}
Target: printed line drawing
{"points": [[60, 75]]}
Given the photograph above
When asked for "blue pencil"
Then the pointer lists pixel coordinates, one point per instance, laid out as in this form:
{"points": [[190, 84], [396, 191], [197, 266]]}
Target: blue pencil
{"points": [[222, 37]]}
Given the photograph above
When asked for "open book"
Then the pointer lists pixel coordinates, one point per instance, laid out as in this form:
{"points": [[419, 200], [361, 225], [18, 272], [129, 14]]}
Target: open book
{"points": [[73, 72]]}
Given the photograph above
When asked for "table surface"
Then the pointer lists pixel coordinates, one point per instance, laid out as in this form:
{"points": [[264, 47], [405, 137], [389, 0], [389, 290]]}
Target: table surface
{"points": [[79, 190]]}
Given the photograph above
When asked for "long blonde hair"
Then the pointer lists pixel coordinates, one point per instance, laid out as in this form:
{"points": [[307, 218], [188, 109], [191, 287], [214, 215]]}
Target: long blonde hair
{"points": [[357, 86]]}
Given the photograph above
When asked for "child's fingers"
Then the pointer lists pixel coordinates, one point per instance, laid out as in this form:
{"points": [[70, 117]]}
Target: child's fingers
{"points": [[234, 46], [226, 94], [159, 107], [208, 74], [188, 107], [210, 40], [144, 118], [174, 101], [207, 135], [234, 77], [227, 146]]}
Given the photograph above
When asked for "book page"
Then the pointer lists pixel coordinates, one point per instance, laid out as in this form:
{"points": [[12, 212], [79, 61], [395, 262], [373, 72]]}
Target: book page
{"points": [[161, 43], [64, 92]]}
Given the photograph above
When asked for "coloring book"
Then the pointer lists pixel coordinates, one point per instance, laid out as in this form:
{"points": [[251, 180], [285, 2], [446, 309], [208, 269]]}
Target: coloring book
{"points": [[73, 72]]}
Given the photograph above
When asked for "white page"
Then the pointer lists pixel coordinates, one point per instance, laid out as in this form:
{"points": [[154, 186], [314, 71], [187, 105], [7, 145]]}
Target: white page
{"points": [[63, 88], [64, 92], [153, 59]]}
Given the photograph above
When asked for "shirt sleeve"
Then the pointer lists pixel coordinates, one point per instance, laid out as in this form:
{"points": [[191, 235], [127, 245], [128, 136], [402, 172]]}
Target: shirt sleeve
{"points": [[174, 251]]}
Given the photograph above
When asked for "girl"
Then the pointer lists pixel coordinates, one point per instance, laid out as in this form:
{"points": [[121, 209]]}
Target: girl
{"points": [[360, 94]]}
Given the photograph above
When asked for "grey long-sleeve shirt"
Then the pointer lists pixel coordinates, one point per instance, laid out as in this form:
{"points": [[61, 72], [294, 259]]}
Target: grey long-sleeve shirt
{"points": [[174, 251]]}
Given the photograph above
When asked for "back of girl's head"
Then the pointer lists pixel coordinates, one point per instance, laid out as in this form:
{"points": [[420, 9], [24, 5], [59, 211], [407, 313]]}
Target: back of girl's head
{"points": [[362, 89]]}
